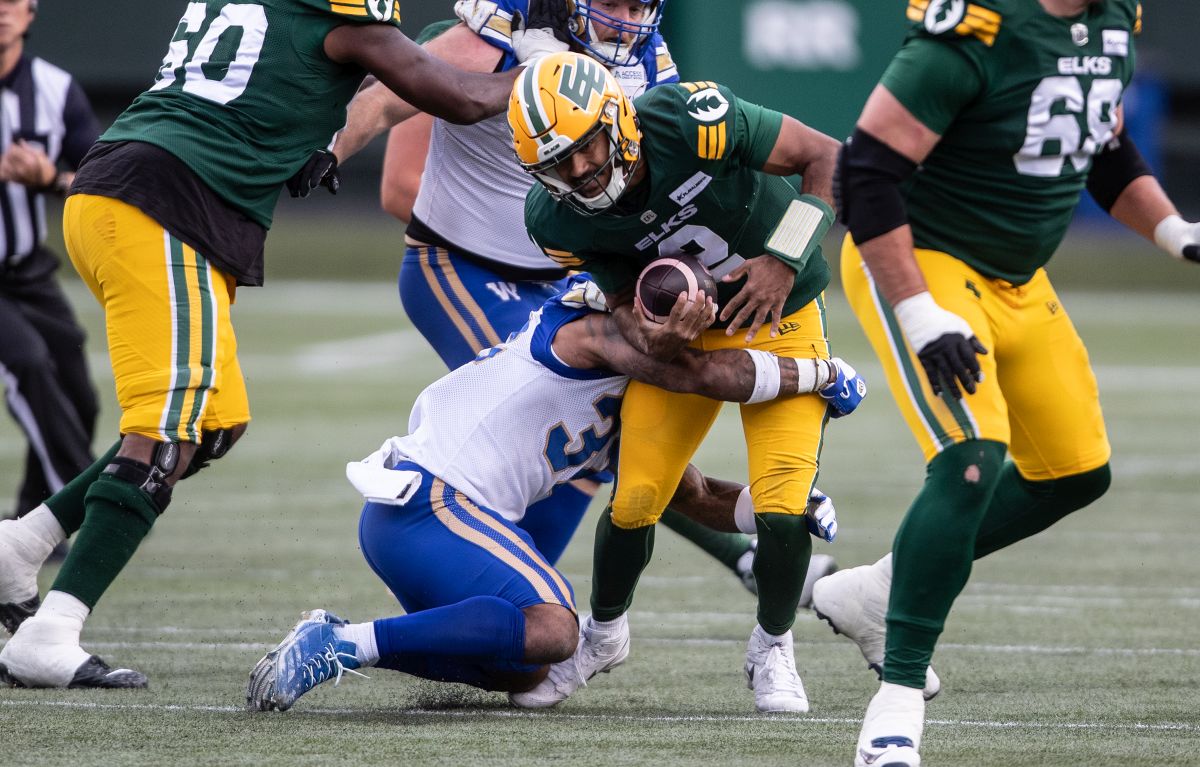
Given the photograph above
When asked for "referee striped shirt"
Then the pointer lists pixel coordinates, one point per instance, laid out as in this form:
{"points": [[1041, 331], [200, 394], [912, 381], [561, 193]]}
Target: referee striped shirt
{"points": [[44, 106]]}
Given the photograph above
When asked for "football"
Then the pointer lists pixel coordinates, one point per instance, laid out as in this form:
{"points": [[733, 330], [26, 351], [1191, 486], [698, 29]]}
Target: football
{"points": [[663, 279]]}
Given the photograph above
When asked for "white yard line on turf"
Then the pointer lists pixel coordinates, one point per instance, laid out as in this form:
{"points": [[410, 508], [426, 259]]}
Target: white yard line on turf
{"points": [[543, 715]]}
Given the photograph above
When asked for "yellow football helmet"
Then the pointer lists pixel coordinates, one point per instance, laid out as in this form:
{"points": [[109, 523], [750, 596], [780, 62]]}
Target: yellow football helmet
{"points": [[559, 105]]}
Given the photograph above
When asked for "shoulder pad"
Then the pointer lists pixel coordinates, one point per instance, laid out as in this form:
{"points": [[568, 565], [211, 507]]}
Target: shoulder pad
{"points": [[956, 19], [491, 19], [666, 71], [386, 11]]}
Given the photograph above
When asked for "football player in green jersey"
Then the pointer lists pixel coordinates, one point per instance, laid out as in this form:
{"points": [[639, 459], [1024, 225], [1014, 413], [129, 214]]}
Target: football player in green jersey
{"points": [[690, 168], [957, 186], [167, 214]]}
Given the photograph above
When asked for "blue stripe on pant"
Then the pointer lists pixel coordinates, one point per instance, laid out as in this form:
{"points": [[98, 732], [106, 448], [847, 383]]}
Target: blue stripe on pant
{"points": [[429, 559], [462, 307]]}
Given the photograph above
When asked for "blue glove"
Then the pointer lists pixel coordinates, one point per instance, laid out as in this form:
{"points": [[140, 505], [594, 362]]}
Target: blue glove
{"points": [[821, 516], [846, 391]]}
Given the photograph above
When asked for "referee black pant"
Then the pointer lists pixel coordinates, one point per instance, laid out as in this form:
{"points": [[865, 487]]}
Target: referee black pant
{"points": [[47, 386]]}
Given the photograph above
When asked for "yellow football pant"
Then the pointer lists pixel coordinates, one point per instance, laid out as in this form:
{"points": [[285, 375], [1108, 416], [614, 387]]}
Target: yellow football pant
{"points": [[660, 431], [1038, 394], [166, 313]]}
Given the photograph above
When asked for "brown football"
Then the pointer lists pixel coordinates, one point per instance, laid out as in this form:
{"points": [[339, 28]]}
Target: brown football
{"points": [[663, 279]]}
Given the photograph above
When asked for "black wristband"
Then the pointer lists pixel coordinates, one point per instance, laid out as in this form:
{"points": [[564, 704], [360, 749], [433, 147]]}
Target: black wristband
{"points": [[869, 175], [1114, 169]]}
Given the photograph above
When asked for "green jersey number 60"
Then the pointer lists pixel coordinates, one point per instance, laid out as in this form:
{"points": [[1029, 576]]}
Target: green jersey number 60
{"points": [[216, 70]]}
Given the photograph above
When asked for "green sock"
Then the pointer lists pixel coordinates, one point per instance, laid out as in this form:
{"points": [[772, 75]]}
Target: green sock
{"points": [[67, 505], [119, 516], [618, 560], [933, 551], [726, 548], [1021, 508], [784, 547]]}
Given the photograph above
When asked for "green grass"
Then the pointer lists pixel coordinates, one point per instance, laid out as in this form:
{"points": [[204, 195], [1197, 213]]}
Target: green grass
{"points": [[1076, 647]]}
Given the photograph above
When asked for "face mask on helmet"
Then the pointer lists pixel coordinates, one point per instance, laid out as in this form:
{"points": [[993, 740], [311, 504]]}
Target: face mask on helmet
{"points": [[575, 131], [611, 38]]}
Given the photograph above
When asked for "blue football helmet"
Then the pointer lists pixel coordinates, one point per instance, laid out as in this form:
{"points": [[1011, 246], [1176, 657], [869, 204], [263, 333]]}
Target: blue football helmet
{"points": [[613, 41]]}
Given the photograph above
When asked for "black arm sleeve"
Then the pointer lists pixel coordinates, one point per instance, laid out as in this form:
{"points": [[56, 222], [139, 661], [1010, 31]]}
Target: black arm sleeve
{"points": [[1114, 169], [82, 129], [867, 186]]}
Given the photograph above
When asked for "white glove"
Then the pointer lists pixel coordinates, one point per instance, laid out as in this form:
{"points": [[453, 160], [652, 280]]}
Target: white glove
{"points": [[1179, 238], [531, 44], [944, 342], [821, 516], [476, 13]]}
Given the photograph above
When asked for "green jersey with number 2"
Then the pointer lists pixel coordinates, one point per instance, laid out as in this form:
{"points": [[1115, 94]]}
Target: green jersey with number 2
{"points": [[1022, 101], [246, 93], [704, 194]]}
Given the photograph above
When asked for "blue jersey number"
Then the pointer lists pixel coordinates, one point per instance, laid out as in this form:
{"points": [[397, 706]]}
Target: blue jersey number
{"points": [[591, 440]]}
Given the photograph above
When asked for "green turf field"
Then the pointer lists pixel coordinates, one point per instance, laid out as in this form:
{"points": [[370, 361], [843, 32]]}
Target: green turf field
{"points": [[1077, 647]]}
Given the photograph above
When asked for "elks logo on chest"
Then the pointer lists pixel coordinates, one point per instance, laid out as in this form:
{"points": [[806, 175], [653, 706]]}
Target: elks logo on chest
{"points": [[1085, 65], [667, 227]]}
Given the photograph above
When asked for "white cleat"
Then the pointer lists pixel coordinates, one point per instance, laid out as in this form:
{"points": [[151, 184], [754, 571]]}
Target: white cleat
{"points": [[771, 673], [892, 727], [854, 603], [600, 650], [45, 652]]}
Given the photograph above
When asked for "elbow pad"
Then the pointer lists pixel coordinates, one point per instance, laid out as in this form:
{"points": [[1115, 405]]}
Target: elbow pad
{"points": [[867, 186], [1113, 169]]}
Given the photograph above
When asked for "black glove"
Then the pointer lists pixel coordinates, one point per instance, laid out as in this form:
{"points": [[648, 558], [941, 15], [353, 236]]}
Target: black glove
{"points": [[555, 15], [1192, 253], [951, 359], [321, 169]]}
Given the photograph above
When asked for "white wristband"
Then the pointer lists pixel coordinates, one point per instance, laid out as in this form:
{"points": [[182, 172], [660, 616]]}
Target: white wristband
{"points": [[766, 376], [743, 512], [1173, 233]]}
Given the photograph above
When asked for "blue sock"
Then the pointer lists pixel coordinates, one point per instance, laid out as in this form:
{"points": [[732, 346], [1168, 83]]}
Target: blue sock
{"points": [[553, 520], [482, 628]]}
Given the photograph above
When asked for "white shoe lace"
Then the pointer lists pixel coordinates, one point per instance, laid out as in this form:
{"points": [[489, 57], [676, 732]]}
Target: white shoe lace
{"points": [[327, 663], [779, 672]]}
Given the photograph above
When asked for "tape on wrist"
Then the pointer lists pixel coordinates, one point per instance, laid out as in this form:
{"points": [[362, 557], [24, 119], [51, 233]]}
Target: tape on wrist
{"points": [[766, 376], [1172, 234]]}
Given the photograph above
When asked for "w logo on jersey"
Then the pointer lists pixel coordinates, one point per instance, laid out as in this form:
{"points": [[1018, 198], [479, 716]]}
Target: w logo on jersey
{"points": [[581, 81]]}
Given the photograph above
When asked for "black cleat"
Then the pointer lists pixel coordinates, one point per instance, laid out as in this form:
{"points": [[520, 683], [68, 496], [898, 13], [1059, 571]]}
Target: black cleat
{"points": [[13, 615], [96, 673]]}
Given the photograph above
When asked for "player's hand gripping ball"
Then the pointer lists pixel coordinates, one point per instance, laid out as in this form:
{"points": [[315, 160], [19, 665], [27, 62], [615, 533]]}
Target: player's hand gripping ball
{"points": [[661, 282]]}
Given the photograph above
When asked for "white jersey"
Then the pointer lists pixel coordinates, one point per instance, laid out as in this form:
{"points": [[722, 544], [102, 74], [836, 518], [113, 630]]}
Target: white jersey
{"points": [[508, 427], [473, 190]]}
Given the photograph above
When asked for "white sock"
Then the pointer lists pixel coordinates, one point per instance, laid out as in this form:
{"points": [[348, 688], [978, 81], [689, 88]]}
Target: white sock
{"points": [[363, 637], [36, 534], [608, 628], [743, 512], [774, 638], [66, 608]]}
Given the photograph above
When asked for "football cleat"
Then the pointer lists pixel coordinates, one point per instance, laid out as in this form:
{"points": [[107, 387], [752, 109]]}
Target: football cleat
{"points": [[892, 727], [819, 565], [771, 673], [310, 654], [744, 568], [46, 653], [598, 652], [854, 603], [13, 615]]}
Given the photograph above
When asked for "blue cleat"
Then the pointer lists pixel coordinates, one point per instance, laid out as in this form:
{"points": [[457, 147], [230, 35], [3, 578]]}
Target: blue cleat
{"points": [[309, 655]]}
